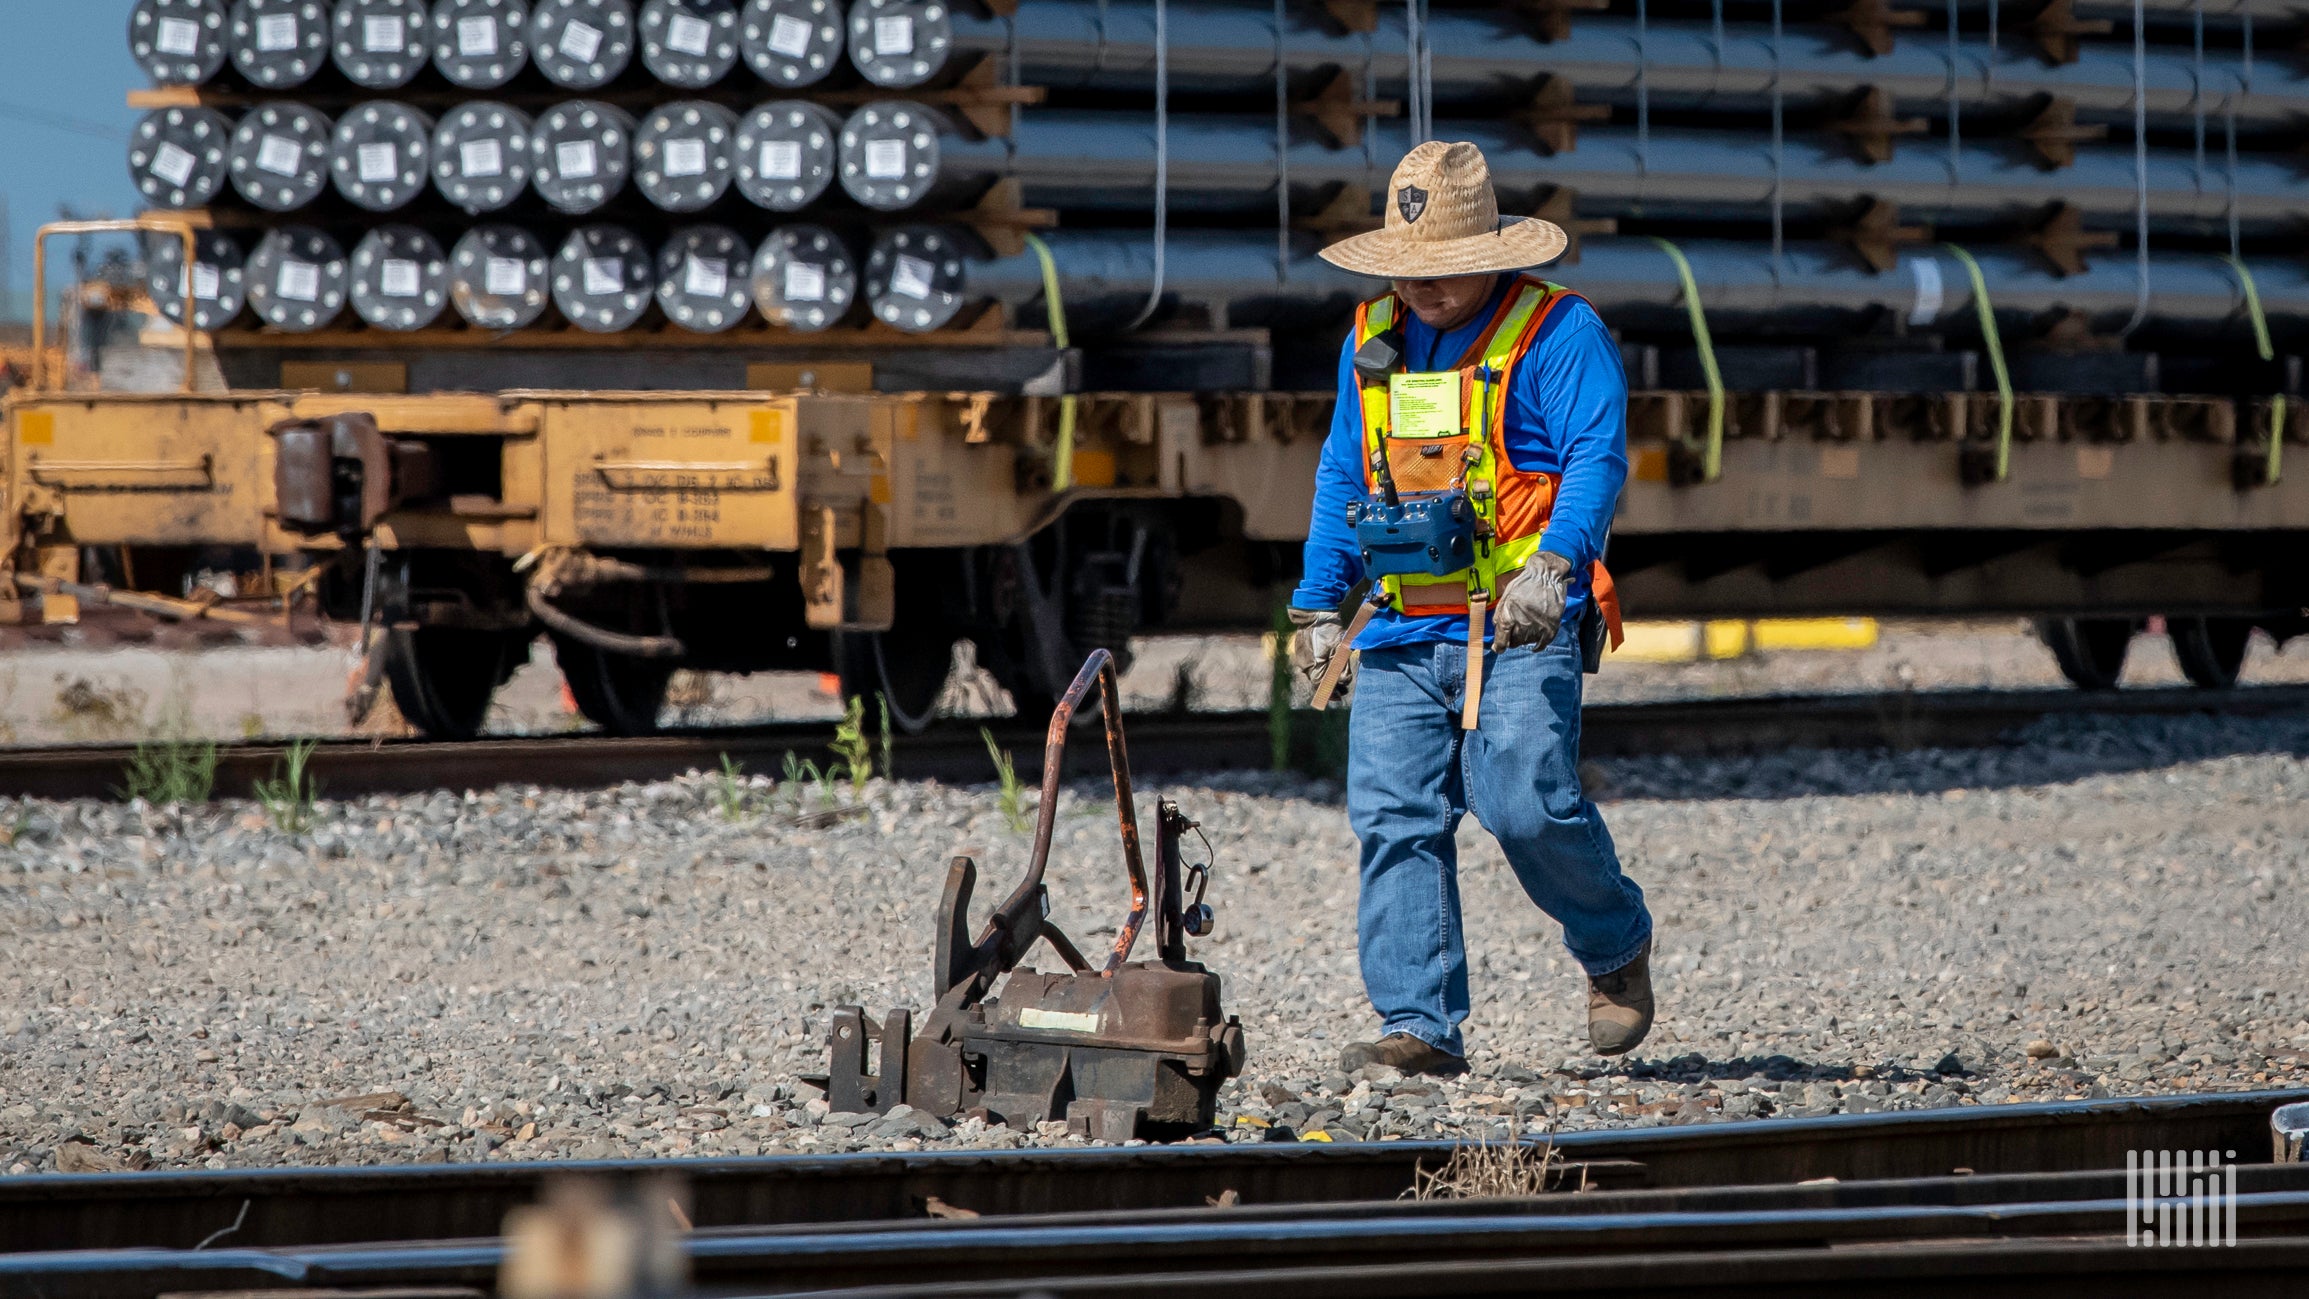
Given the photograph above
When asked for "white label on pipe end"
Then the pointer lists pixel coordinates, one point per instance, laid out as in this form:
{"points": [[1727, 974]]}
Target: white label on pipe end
{"points": [[206, 283], [894, 34], [481, 159], [173, 164], [178, 36], [276, 32], [604, 275], [685, 157], [279, 155], [688, 35], [805, 282], [885, 159], [576, 160], [912, 277], [377, 163], [387, 35], [299, 282], [580, 41], [399, 278], [781, 159], [477, 37], [706, 277], [789, 36], [1929, 295], [505, 276]]}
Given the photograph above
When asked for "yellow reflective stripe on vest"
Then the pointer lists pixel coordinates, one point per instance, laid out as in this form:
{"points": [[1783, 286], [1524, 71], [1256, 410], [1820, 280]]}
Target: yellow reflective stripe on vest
{"points": [[1372, 321]]}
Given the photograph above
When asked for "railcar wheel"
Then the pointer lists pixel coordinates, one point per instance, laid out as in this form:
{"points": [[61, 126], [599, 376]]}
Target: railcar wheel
{"points": [[2211, 651], [443, 678], [2090, 651], [908, 669], [621, 694]]}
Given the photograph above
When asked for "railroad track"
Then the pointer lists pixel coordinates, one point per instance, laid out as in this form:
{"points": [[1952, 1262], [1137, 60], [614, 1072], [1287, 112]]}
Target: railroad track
{"points": [[308, 1206], [1916, 1199], [1159, 744]]}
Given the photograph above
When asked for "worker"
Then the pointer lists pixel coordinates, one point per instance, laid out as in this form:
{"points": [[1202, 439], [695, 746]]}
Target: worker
{"points": [[1482, 413]]}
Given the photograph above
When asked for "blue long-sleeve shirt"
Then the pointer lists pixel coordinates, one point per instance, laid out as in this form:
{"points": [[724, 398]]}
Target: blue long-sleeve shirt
{"points": [[1566, 414]]}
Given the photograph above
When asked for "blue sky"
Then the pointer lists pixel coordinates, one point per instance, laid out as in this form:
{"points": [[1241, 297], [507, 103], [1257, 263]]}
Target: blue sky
{"points": [[64, 77]]}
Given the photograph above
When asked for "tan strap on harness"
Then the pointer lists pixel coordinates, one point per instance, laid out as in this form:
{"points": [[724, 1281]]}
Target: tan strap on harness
{"points": [[1477, 609]]}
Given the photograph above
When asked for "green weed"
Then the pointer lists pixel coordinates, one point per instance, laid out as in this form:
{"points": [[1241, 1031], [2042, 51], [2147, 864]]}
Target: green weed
{"points": [[288, 797], [1012, 800], [882, 702], [851, 746], [165, 770], [1279, 691], [730, 792], [801, 773]]}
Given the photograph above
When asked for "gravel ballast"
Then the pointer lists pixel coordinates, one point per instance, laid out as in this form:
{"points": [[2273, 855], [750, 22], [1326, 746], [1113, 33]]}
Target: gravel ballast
{"points": [[2110, 908]]}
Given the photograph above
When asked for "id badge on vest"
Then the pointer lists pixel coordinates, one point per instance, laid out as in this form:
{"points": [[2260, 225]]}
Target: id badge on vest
{"points": [[1424, 405]]}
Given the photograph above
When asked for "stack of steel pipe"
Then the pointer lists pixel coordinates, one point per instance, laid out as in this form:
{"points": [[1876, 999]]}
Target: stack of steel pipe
{"points": [[805, 166]]}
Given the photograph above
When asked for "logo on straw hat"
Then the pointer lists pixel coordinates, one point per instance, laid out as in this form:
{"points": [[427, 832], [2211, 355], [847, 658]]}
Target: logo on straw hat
{"points": [[1445, 222]]}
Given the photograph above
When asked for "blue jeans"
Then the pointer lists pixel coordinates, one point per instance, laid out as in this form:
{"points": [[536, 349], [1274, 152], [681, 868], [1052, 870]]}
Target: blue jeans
{"points": [[1412, 774]]}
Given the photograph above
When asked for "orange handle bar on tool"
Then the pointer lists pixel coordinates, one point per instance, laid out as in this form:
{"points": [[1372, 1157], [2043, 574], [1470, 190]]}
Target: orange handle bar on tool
{"points": [[1098, 669]]}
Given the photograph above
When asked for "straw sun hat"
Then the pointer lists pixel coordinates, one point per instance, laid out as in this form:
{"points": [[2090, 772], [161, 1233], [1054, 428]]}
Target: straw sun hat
{"points": [[1443, 220]]}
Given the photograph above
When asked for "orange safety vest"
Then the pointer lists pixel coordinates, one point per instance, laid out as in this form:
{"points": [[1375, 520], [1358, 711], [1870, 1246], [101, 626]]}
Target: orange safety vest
{"points": [[1512, 505]]}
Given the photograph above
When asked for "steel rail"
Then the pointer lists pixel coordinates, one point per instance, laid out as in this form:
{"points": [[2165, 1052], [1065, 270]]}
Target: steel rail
{"points": [[1162, 744], [281, 1208], [2007, 1269], [1188, 1244]]}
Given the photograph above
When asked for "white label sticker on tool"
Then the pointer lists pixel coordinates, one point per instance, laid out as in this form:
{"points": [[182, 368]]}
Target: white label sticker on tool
{"points": [[481, 158], [477, 37], [278, 154], [172, 164], [399, 278], [604, 275], [685, 157], [688, 35], [1928, 291], [206, 283], [1061, 1021], [505, 276], [894, 34], [912, 277], [575, 160], [377, 162], [805, 282], [384, 35], [299, 282], [885, 159], [789, 36], [178, 36], [781, 160], [580, 42], [277, 32], [706, 277]]}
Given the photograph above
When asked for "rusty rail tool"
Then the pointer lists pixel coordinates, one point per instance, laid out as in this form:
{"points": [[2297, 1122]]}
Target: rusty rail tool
{"points": [[1132, 1049]]}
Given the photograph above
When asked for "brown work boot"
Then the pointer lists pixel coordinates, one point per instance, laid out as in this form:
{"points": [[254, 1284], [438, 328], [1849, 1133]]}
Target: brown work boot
{"points": [[1619, 1006], [1405, 1052]]}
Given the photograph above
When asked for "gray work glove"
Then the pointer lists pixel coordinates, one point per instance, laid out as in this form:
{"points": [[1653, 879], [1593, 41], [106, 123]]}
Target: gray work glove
{"points": [[1322, 633], [1531, 612]]}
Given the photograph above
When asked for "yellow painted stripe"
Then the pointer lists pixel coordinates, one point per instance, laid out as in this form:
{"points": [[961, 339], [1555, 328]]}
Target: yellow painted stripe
{"points": [[1689, 642], [1814, 633]]}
